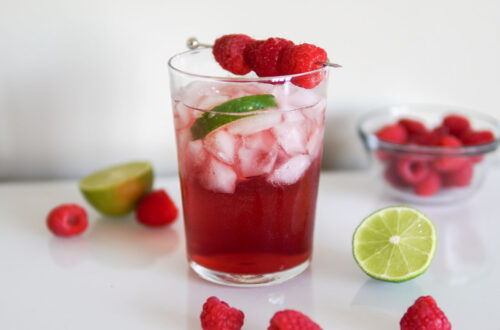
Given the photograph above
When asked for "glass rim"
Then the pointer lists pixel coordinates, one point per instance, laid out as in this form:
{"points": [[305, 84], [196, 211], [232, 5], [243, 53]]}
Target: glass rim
{"points": [[242, 79]]}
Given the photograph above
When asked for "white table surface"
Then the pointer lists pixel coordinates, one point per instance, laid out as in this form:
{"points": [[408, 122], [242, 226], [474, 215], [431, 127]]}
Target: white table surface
{"points": [[120, 275]]}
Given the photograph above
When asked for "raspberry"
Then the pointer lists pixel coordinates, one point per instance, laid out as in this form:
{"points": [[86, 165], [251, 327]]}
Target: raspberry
{"points": [[392, 133], [391, 175], [218, 315], [477, 137], [263, 56], [412, 169], [456, 124], [429, 185], [292, 320], [461, 177], [156, 209], [229, 51], [448, 163], [303, 58], [67, 220], [413, 128], [424, 314], [433, 137]]}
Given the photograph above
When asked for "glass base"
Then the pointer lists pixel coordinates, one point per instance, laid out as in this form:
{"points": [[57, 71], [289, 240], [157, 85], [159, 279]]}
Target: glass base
{"points": [[243, 280]]}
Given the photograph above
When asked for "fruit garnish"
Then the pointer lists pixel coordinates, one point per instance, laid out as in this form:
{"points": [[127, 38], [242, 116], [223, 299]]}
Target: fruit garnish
{"points": [[218, 315], [67, 220], [263, 56], [239, 54], [228, 51], [156, 209], [394, 244], [115, 190], [292, 320], [424, 314], [215, 118], [300, 59]]}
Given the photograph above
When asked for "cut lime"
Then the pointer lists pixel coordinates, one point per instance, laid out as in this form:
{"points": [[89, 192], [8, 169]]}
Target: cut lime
{"points": [[395, 243], [214, 119], [115, 190]]}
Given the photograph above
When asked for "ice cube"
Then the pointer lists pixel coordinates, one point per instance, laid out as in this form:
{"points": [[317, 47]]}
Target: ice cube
{"points": [[183, 116], [316, 113], [257, 154], [292, 136], [290, 171], [315, 143], [196, 155], [290, 96], [218, 176], [221, 144], [255, 123], [293, 116], [209, 102]]}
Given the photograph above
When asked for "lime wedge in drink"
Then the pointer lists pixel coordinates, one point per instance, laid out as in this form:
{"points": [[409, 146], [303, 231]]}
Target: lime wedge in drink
{"points": [[115, 190], [214, 119], [395, 243]]}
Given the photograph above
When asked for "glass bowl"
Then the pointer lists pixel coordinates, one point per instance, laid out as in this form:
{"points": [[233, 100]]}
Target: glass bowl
{"points": [[428, 173]]}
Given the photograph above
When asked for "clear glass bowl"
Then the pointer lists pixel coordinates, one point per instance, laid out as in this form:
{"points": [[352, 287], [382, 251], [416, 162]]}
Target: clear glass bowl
{"points": [[390, 161]]}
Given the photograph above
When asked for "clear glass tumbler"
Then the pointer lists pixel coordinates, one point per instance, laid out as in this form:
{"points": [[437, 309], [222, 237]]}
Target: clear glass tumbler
{"points": [[249, 152]]}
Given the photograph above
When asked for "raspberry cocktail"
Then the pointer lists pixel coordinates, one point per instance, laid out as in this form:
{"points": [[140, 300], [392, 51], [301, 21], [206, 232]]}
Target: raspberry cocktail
{"points": [[249, 152]]}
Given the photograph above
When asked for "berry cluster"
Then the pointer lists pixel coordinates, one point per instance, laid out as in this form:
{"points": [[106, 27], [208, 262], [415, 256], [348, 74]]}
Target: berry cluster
{"points": [[218, 315], [427, 174], [155, 209], [240, 54]]}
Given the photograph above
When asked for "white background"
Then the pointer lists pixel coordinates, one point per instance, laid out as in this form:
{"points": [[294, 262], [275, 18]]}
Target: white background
{"points": [[84, 84]]}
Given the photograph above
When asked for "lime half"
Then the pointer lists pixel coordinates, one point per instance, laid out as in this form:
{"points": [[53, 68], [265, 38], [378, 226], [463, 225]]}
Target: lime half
{"points": [[115, 190], [209, 121], [395, 243]]}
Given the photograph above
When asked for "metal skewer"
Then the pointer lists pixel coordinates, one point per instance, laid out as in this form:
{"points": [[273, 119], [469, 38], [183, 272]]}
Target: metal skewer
{"points": [[193, 43]]}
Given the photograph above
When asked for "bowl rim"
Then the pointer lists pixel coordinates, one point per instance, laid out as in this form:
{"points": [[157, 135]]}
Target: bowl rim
{"points": [[371, 141]]}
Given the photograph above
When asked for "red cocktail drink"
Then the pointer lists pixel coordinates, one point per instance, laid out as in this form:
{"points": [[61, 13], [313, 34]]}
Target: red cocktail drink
{"points": [[249, 178]]}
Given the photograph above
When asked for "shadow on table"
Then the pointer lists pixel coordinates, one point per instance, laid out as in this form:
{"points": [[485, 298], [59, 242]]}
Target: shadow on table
{"points": [[116, 243]]}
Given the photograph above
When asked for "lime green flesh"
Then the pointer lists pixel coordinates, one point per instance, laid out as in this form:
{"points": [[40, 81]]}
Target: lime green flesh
{"points": [[214, 119], [115, 190], [395, 244]]}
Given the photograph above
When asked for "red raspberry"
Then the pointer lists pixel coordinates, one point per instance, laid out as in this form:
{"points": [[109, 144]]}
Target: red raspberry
{"points": [[292, 320], [449, 163], [303, 58], [429, 186], [433, 137], [412, 169], [461, 177], [67, 220], [424, 314], [414, 128], [456, 124], [263, 56], [218, 315], [392, 176], [477, 137], [229, 51], [392, 133], [156, 209]]}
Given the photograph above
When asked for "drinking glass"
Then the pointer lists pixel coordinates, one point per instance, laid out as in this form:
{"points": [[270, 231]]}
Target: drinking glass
{"points": [[249, 173]]}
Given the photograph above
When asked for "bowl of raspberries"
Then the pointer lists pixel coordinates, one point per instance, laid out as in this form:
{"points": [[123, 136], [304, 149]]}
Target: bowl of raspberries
{"points": [[429, 153]]}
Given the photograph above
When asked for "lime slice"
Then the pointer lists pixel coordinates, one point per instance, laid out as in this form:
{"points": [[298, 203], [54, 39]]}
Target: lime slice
{"points": [[115, 190], [213, 119], [395, 243]]}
